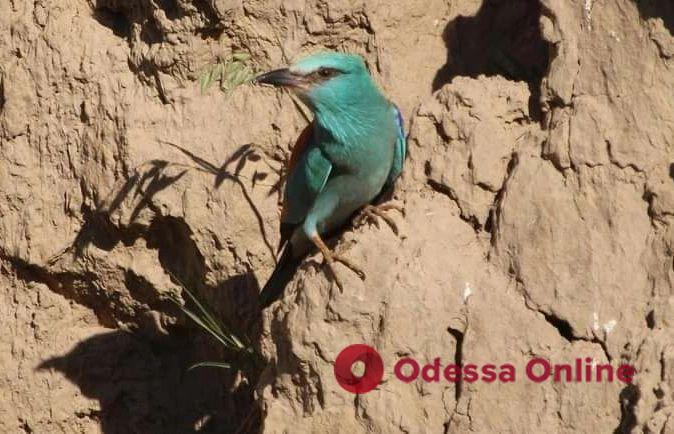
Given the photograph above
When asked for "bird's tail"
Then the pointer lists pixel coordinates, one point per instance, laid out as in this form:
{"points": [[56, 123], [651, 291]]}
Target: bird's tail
{"points": [[283, 273]]}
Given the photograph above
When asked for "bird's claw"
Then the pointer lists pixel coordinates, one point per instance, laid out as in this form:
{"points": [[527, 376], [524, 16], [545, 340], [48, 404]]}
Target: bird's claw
{"points": [[331, 257], [371, 212]]}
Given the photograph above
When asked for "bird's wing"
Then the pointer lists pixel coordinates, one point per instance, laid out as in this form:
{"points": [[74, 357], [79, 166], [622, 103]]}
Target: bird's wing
{"points": [[400, 148], [308, 171], [300, 146]]}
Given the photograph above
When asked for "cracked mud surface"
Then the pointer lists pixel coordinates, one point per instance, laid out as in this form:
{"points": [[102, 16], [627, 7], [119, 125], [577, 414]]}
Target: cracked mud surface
{"points": [[539, 197]]}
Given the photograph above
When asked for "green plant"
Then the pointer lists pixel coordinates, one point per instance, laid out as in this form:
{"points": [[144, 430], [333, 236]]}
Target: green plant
{"points": [[229, 73], [204, 317]]}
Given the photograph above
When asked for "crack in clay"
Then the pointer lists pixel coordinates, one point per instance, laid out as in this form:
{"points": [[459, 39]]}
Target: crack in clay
{"points": [[628, 399], [565, 330], [24, 427], [447, 191], [459, 337], [458, 358], [563, 326], [492, 223], [616, 163]]}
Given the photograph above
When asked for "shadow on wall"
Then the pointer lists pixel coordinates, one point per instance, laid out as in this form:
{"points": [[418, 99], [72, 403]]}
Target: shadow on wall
{"points": [[503, 38], [140, 379], [121, 15], [223, 173], [172, 237], [658, 9], [143, 386], [154, 176]]}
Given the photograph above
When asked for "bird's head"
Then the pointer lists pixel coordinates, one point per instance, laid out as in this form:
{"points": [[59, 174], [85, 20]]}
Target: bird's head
{"points": [[326, 82]]}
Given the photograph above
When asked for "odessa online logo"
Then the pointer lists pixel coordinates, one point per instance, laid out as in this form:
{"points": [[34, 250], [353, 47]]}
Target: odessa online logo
{"points": [[359, 369]]}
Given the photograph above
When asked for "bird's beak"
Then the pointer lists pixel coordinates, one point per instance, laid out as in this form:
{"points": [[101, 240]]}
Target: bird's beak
{"points": [[280, 77]]}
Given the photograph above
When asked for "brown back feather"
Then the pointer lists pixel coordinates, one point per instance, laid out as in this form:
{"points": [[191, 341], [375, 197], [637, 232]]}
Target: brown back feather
{"points": [[287, 229]]}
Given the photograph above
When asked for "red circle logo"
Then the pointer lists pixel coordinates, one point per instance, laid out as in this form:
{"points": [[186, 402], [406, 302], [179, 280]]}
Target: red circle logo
{"points": [[372, 373]]}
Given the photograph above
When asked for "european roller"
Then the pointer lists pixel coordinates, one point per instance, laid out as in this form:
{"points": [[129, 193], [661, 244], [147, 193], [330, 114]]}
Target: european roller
{"points": [[352, 150]]}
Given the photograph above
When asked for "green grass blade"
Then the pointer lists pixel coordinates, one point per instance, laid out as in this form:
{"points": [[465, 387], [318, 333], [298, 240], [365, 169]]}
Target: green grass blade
{"points": [[205, 80], [215, 325], [204, 326], [229, 73], [240, 56], [207, 321], [210, 365], [207, 317]]}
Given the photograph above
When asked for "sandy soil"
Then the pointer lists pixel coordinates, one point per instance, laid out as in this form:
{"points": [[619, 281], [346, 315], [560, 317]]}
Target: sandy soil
{"points": [[539, 196]]}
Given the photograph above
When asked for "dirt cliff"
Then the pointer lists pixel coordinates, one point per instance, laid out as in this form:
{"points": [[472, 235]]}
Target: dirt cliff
{"points": [[539, 197]]}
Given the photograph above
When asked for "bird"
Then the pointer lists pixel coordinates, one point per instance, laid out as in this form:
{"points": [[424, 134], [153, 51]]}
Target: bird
{"points": [[352, 150]]}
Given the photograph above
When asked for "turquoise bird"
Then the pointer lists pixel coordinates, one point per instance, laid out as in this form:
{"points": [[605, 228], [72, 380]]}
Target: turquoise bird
{"points": [[352, 151]]}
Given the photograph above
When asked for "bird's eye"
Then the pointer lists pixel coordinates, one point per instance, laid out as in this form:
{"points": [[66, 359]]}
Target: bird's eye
{"points": [[326, 72]]}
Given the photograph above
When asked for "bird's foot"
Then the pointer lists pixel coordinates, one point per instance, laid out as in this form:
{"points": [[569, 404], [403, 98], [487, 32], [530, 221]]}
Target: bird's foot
{"points": [[372, 213], [332, 257]]}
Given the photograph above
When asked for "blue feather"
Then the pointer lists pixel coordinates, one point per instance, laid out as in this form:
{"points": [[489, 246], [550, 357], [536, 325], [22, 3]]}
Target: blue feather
{"points": [[400, 149]]}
